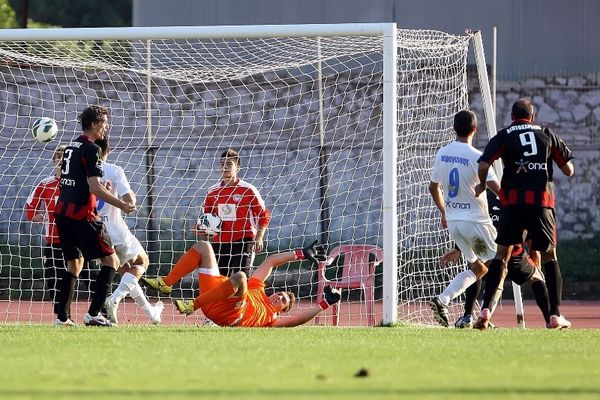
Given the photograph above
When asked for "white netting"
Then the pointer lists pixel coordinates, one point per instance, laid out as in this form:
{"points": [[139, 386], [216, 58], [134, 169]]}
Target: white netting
{"points": [[313, 150]]}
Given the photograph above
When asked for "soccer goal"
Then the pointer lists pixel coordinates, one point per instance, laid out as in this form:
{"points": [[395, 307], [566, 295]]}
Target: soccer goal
{"points": [[336, 125]]}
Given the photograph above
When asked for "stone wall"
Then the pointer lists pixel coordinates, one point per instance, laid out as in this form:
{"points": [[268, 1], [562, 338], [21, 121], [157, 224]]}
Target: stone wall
{"points": [[571, 107]]}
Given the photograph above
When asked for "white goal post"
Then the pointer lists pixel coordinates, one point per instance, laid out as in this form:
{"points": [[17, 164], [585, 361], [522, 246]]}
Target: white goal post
{"points": [[336, 126]]}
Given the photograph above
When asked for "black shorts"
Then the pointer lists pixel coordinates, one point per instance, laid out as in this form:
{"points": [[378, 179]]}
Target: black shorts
{"points": [[233, 257], [82, 237], [539, 222], [520, 269]]}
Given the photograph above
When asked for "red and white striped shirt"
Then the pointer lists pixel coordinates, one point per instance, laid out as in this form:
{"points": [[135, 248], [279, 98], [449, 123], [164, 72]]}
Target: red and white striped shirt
{"points": [[43, 199], [241, 209]]}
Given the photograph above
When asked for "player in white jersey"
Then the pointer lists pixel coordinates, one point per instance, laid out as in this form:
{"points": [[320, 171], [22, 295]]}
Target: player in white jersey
{"points": [[132, 256], [465, 216]]}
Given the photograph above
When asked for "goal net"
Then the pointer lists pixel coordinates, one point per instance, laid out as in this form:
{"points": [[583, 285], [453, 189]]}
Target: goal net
{"points": [[304, 110]]}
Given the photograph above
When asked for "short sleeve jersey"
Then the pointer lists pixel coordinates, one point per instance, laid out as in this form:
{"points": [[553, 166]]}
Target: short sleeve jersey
{"points": [[241, 208], [527, 151], [112, 216], [455, 169], [81, 160], [43, 199]]}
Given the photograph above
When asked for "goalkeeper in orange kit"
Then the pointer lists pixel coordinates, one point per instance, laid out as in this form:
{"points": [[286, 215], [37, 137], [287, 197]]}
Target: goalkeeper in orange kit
{"points": [[240, 300]]}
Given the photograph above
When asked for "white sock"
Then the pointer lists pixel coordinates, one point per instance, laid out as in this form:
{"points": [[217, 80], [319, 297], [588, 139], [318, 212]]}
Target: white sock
{"points": [[137, 294], [128, 281], [457, 286]]}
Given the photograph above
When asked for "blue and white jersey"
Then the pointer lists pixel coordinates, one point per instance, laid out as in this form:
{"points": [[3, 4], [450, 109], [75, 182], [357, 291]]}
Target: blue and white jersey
{"points": [[455, 169], [112, 216]]}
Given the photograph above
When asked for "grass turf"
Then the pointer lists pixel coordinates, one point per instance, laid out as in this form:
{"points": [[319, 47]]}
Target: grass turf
{"points": [[42, 362]]}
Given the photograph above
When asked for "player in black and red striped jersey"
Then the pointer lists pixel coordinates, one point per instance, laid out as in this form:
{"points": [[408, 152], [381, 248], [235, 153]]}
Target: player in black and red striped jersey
{"points": [[80, 229], [528, 152], [40, 208]]}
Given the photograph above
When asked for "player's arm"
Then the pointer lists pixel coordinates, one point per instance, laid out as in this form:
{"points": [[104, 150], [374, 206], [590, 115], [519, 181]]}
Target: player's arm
{"points": [[314, 252], [436, 193], [98, 189], [561, 154], [330, 297], [264, 218], [482, 172], [32, 206], [450, 256]]}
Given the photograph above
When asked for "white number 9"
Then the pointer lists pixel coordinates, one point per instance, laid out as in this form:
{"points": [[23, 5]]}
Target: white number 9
{"points": [[528, 139]]}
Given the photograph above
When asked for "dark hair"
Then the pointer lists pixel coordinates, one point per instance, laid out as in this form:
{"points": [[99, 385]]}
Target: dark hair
{"points": [[465, 122], [92, 114], [230, 153], [522, 109], [103, 144], [292, 297]]}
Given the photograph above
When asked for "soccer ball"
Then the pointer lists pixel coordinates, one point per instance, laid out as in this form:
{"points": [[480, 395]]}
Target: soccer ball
{"points": [[210, 223], [44, 129]]}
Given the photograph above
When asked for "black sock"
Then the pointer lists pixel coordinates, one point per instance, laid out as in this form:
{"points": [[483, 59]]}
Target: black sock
{"points": [[540, 291], [471, 295], [554, 284], [492, 281], [103, 284], [66, 287]]}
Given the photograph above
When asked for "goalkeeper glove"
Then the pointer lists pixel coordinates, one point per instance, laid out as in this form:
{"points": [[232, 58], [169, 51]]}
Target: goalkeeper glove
{"points": [[314, 252], [331, 296]]}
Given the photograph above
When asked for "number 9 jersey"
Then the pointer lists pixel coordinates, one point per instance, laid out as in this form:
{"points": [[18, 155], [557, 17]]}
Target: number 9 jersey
{"points": [[455, 169], [527, 151]]}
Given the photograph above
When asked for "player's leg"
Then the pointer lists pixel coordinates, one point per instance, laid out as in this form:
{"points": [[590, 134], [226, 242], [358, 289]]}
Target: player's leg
{"points": [[542, 230], [53, 263], [68, 278], [213, 286], [131, 272], [95, 243], [467, 236], [239, 258], [471, 295], [187, 263], [540, 292]]}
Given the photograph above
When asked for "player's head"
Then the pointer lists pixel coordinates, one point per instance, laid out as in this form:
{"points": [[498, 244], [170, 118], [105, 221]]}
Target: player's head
{"points": [[94, 121], [523, 109], [282, 301], [104, 146], [58, 154], [465, 123], [230, 164]]}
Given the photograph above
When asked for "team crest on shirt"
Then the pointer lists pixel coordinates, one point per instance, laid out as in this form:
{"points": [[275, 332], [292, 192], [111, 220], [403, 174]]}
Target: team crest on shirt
{"points": [[522, 165], [237, 198]]}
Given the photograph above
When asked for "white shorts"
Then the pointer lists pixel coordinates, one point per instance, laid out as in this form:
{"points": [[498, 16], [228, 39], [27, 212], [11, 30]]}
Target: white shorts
{"points": [[475, 240], [129, 249]]}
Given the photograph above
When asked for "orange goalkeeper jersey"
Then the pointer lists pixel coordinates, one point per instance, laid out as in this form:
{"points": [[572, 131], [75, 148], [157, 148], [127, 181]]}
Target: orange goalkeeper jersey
{"points": [[251, 310]]}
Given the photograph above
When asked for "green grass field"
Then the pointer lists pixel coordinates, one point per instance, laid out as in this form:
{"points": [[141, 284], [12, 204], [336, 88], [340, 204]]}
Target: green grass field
{"points": [[42, 362]]}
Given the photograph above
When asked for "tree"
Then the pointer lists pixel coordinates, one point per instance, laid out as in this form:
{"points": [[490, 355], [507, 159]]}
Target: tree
{"points": [[79, 13], [7, 15]]}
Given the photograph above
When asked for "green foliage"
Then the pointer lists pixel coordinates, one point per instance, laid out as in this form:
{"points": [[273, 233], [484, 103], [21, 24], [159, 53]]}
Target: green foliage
{"points": [[579, 259], [78, 14], [188, 362], [7, 15]]}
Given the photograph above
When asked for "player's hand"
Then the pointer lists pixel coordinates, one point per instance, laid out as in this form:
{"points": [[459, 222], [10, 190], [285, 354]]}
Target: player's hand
{"points": [[315, 252], [331, 295], [128, 207], [444, 221], [202, 233], [39, 217], [449, 257], [480, 188]]}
